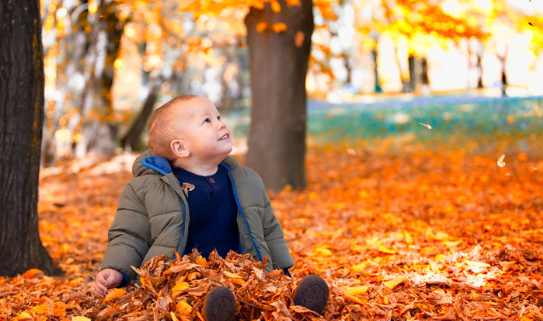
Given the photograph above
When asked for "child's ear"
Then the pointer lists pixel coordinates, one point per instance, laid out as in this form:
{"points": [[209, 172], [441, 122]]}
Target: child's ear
{"points": [[179, 148]]}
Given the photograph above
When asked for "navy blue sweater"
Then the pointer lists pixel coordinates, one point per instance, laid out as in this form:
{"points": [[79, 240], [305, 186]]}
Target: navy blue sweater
{"points": [[213, 212]]}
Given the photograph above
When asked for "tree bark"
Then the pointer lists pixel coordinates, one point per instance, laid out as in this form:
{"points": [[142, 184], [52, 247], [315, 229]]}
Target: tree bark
{"points": [[21, 122], [278, 65]]}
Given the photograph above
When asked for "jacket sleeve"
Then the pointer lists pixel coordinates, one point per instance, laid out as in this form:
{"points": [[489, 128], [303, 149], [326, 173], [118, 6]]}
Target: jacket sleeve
{"points": [[274, 237], [129, 237]]}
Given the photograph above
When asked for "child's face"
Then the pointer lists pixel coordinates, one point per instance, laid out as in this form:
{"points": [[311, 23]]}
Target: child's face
{"points": [[204, 133]]}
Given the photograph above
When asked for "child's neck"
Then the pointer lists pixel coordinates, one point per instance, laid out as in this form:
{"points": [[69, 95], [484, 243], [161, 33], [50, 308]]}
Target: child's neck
{"points": [[199, 168]]}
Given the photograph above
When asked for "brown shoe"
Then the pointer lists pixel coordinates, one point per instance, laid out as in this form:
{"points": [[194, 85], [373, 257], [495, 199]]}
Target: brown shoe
{"points": [[312, 293], [220, 304]]}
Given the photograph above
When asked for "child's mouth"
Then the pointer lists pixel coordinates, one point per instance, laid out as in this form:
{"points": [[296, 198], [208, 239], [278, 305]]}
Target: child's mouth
{"points": [[226, 136]]}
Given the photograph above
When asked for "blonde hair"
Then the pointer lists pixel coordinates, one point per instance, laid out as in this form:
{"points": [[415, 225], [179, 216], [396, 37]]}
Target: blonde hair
{"points": [[164, 127]]}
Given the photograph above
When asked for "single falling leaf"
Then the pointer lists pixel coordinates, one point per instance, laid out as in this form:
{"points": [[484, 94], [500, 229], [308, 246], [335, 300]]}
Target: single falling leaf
{"points": [[187, 187], [261, 26], [114, 293], [394, 282], [299, 38], [501, 163], [527, 110], [386, 250], [426, 125], [279, 27], [356, 290]]}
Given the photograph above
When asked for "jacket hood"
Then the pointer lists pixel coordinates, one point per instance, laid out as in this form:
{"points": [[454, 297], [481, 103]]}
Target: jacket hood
{"points": [[149, 163]]}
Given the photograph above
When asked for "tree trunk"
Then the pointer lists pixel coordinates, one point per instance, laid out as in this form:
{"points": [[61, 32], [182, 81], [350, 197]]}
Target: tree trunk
{"points": [[21, 122], [132, 137], [99, 135], [377, 86], [278, 64], [412, 73]]}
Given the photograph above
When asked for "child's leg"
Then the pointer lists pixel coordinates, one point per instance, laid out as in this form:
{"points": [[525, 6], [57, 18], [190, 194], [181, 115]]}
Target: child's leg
{"points": [[312, 293]]}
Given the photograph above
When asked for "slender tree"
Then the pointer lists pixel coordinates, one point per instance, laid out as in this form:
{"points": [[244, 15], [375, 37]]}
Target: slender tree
{"points": [[21, 121]]}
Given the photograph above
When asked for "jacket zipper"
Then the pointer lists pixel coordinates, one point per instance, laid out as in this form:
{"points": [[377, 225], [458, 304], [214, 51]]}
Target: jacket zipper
{"points": [[243, 215]]}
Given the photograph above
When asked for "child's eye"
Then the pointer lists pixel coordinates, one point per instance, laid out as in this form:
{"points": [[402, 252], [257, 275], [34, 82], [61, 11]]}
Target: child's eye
{"points": [[207, 120], [218, 117]]}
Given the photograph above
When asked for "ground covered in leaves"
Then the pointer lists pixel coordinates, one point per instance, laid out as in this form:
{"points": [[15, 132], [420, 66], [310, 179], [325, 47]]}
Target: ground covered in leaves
{"points": [[406, 236]]}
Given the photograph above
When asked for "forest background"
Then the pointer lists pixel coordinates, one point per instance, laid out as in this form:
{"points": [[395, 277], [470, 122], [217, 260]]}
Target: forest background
{"points": [[462, 241]]}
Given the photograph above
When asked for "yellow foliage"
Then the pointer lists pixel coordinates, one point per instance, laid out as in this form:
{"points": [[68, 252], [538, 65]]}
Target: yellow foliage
{"points": [[356, 290], [387, 250]]}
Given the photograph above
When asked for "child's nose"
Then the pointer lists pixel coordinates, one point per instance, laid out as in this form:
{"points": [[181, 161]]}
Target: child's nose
{"points": [[221, 124]]}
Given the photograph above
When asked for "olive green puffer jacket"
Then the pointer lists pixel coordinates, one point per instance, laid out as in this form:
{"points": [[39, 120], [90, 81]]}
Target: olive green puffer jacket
{"points": [[153, 217]]}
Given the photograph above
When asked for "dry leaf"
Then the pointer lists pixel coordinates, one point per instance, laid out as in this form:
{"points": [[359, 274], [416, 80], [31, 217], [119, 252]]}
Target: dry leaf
{"points": [[279, 27], [356, 290], [501, 163], [114, 293], [426, 125], [187, 187], [386, 250], [261, 26], [394, 282], [299, 38]]}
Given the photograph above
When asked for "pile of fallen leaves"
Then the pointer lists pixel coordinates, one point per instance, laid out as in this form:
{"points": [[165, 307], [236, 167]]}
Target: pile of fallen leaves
{"points": [[176, 290], [405, 236]]}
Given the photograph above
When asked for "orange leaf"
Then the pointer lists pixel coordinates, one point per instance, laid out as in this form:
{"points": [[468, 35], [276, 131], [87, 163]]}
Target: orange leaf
{"points": [[394, 282], [33, 273], [261, 26], [201, 261], [275, 6], [232, 275], [238, 281], [279, 27], [299, 41], [113, 294], [180, 286], [80, 319], [184, 308], [58, 309]]}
